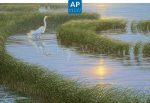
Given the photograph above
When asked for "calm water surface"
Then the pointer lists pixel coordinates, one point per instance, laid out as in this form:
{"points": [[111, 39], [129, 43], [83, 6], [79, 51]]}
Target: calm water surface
{"points": [[128, 11], [89, 68], [6, 96]]}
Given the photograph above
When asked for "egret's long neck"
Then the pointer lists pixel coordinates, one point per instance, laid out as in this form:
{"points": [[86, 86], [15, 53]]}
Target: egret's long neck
{"points": [[44, 23]]}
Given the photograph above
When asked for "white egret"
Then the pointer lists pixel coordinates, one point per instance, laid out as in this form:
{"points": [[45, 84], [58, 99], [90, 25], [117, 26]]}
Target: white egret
{"points": [[37, 33]]}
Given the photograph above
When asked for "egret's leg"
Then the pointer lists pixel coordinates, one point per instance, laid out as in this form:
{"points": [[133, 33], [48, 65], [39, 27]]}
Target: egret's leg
{"points": [[36, 37], [39, 36]]}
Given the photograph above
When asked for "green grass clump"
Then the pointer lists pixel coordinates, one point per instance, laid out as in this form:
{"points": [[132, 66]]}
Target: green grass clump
{"points": [[97, 25], [107, 24], [84, 33], [141, 26], [146, 50]]}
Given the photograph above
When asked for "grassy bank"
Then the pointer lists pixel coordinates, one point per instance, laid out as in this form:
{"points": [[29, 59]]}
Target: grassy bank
{"points": [[29, 7], [84, 34], [48, 86]]}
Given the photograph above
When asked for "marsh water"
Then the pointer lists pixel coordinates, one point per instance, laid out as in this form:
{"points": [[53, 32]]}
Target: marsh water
{"points": [[130, 11], [7, 96], [78, 64], [129, 71]]}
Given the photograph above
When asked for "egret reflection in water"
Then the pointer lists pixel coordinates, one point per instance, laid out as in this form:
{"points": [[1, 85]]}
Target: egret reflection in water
{"points": [[39, 45]]}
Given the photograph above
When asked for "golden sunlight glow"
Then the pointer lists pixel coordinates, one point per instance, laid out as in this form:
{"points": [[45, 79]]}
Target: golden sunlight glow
{"points": [[101, 69], [103, 8], [112, 17], [103, 5]]}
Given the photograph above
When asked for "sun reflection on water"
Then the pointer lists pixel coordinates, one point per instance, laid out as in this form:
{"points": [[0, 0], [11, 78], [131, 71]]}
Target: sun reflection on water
{"points": [[104, 8], [101, 71]]}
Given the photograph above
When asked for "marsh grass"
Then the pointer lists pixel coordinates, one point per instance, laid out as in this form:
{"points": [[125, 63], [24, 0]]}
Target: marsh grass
{"points": [[106, 24], [26, 7], [87, 35], [146, 49], [49, 86], [84, 34], [134, 27], [97, 25], [141, 26]]}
